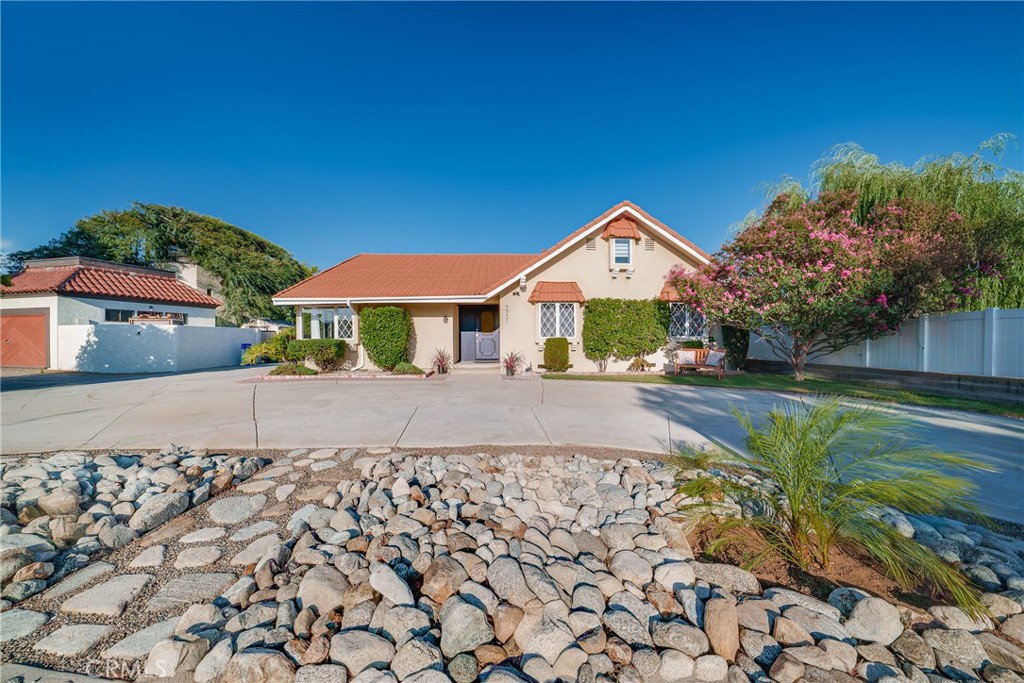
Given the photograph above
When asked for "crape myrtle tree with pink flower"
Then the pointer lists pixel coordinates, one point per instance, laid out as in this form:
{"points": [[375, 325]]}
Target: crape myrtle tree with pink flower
{"points": [[811, 279]]}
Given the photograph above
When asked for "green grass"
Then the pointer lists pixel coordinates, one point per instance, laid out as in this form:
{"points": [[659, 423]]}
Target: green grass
{"points": [[763, 382]]}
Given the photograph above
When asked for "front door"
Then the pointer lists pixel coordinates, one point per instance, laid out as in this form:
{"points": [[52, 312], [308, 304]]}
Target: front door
{"points": [[478, 333]]}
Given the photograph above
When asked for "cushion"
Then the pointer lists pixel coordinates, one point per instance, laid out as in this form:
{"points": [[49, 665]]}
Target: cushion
{"points": [[715, 357], [686, 356]]}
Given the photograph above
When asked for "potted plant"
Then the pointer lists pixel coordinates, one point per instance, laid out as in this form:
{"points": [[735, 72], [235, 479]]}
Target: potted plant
{"points": [[512, 363], [441, 361]]}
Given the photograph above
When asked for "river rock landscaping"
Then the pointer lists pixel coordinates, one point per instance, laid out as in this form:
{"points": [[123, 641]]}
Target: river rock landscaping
{"points": [[373, 566]]}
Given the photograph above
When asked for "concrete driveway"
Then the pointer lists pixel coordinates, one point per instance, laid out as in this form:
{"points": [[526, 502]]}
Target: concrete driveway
{"points": [[221, 409]]}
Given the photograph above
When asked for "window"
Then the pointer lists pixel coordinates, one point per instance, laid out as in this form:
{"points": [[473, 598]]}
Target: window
{"points": [[558, 320], [622, 251], [684, 323], [327, 323], [118, 315]]}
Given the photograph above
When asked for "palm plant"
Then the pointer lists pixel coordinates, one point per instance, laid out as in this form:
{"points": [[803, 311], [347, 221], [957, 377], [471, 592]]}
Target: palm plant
{"points": [[824, 474], [513, 362], [441, 361]]}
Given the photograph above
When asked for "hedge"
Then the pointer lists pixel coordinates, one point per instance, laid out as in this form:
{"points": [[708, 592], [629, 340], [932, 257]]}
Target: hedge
{"points": [[556, 354], [623, 329], [274, 349], [407, 369], [326, 354], [737, 344], [385, 332], [292, 369]]}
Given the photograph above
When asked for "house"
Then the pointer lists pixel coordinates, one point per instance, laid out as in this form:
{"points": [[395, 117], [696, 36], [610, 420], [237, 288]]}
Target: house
{"points": [[479, 306], [52, 295]]}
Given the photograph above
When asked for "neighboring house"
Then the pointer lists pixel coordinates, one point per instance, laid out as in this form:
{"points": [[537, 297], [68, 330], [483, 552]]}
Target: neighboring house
{"points": [[480, 306], [267, 325], [50, 294], [195, 276]]}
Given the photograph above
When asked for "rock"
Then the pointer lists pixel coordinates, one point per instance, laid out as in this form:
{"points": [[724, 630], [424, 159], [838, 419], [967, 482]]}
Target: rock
{"points": [[914, 649], [150, 557], [109, 598], [845, 599], [816, 624], [443, 578], [321, 673], [721, 625], [675, 575], [322, 587], [36, 570], [874, 620], [258, 665], [956, 643], [783, 597], [506, 620], [196, 587], [711, 668], [59, 502], [999, 674], [359, 650], [628, 628], [1002, 652], [676, 666], [171, 658], [787, 669], [733, 579], [18, 623], [679, 636], [157, 510], [463, 627], [505, 578], [138, 645], [255, 551], [626, 565], [197, 557], [549, 640], [214, 665], [760, 647], [955, 618], [386, 582], [416, 655], [234, 509], [463, 668]]}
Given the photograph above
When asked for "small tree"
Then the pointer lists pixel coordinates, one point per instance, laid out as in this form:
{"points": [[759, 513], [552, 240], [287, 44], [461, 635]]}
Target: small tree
{"points": [[812, 280], [385, 332]]}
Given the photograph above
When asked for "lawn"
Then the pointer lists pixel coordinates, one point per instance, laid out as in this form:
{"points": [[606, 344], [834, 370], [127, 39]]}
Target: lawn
{"points": [[764, 382]]}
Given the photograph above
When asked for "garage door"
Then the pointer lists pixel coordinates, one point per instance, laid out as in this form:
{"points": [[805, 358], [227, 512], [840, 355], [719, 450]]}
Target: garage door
{"points": [[23, 342]]}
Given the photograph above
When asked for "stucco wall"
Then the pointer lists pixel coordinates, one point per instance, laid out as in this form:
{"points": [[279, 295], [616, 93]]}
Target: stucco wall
{"points": [[118, 348], [520, 328], [82, 310], [48, 302], [430, 331]]}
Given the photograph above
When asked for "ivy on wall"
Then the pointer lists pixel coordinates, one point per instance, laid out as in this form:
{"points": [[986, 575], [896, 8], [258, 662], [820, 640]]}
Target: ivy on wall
{"points": [[623, 329]]}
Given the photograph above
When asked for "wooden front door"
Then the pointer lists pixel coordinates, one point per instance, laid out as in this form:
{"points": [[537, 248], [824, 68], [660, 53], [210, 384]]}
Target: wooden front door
{"points": [[23, 339]]}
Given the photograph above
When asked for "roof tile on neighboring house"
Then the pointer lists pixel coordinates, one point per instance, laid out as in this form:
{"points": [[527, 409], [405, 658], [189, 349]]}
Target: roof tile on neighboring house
{"points": [[371, 276], [110, 281], [557, 292]]}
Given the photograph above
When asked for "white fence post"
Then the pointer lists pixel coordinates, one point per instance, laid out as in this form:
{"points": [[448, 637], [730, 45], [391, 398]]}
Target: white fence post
{"points": [[867, 353], [988, 337], [922, 341]]}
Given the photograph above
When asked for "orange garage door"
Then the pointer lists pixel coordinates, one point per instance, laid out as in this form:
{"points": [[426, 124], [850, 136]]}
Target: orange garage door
{"points": [[23, 342]]}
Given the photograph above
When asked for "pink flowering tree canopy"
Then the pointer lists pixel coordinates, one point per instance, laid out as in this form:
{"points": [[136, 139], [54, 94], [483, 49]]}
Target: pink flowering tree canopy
{"points": [[812, 280]]}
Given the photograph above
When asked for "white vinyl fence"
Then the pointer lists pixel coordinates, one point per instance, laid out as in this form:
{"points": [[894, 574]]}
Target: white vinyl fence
{"points": [[987, 343], [119, 348]]}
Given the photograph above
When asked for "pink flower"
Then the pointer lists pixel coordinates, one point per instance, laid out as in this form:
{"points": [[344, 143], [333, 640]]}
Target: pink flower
{"points": [[884, 300]]}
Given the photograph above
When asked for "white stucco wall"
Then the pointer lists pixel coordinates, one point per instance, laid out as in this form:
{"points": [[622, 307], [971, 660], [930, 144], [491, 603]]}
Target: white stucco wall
{"points": [[43, 301], [119, 348], [83, 310]]}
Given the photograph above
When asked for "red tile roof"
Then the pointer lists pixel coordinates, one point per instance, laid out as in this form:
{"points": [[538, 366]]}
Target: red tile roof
{"points": [[623, 227], [90, 277], [669, 293], [369, 276], [385, 276], [557, 291]]}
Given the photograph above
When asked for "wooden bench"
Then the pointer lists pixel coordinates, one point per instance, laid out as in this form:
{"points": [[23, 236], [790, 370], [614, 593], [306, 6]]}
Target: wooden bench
{"points": [[681, 360]]}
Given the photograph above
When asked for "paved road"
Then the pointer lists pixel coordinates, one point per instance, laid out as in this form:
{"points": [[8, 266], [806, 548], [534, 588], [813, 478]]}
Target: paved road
{"points": [[221, 409]]}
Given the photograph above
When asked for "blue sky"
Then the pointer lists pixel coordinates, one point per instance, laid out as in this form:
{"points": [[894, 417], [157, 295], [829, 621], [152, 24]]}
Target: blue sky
{"points": [[340, 128]]}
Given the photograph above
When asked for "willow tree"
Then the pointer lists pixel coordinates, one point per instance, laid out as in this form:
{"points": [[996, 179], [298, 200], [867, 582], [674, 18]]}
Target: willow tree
{"points": [[989, 197]]}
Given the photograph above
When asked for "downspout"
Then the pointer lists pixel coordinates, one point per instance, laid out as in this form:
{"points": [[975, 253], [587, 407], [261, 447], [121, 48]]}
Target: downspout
{"points": [[362, 360]]}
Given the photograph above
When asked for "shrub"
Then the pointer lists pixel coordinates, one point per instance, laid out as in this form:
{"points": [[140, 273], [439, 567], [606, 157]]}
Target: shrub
{"points": [[513, 362], [623, 328], [823, 475], [556, 354], [274, 349], [692, 344], [292, 369], [441, 361], [385, 332], [326, 354], [406, 369], [737, 343]]}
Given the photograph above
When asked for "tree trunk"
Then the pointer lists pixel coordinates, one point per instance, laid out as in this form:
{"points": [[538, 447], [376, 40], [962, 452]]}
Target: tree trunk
{"points": [[799, 361]]}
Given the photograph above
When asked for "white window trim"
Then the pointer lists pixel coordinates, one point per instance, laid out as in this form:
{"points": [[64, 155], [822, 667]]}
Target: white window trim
{"points": [[575, 319], [611, 255], [702, 335], [335, 321]]}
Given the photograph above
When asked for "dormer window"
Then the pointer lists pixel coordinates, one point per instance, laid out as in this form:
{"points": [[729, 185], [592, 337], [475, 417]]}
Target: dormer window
{"points": [[622, 252]]}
